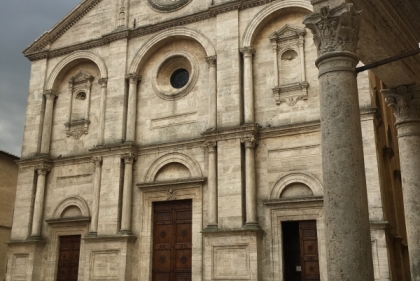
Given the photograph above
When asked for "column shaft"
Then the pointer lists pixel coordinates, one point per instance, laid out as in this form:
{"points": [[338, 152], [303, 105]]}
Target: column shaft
{"points": [[212, 185], [96, 194], [103, 83], [132, 109], [347, 228], [39, 202], [127, 194], [248, 85], [48, 120], [250, 186], [405, 102], [213, 92], [276, 62]]}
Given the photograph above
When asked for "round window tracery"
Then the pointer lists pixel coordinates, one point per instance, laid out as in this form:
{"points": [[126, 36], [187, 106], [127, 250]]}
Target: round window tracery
{"points": [[175, 76]]}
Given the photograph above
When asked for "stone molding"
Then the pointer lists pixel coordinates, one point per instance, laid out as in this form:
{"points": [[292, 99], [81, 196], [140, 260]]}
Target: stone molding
{"points": [[97, 160], [296, 177], [336, 29], [405, 103], [265, 12], [212, 61], [175, 5], [36, 52], [103, 82], [138, 60], [72, 57], [77, 201], [184, 183], [173, 157]]}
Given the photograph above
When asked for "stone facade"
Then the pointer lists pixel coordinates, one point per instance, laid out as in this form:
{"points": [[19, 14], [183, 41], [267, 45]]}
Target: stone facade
{"points": [[110, 129], [8, 182]]}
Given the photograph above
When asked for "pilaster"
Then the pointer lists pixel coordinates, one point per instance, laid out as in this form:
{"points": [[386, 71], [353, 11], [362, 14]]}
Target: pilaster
{"points": [[133, 79], [248, 54], [50, 96], [129, 159]]}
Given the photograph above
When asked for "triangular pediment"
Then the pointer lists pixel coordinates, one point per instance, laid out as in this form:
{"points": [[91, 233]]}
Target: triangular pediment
{"points": [[81, 77], [49, 37], [287, 32]]}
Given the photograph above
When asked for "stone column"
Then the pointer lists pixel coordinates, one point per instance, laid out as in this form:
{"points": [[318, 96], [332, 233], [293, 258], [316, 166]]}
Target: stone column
{"points": [[248, 53], [127, 194], [39, 201], [212, 92], [48, 120], [130, 135], [349, 254], [70, 105], [405, 102], [250, 187], [103, 82], [97, 161], [212, 185]]}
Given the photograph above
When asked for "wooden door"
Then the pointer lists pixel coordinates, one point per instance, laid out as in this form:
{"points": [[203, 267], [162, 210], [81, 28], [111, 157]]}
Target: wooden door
{"points": [[172, 241], [68, 260], [309, 251]]}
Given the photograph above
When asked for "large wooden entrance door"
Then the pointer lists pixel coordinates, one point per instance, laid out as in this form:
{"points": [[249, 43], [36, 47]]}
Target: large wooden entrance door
{"points": [[68, 260], [300, 251], [172, 241]]}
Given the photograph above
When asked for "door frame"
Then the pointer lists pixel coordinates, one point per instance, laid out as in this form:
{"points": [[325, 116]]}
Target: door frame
{"points": [[295, 210], [170, 192]]}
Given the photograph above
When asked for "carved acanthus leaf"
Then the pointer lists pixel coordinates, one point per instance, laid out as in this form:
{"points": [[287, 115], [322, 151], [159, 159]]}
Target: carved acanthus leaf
{"points": [[335, 30], [405, 103]]}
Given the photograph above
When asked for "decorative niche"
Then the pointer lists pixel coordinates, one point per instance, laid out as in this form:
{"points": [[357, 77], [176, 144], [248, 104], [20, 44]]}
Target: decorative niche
{"points": [[78, 122], [289, 65]]}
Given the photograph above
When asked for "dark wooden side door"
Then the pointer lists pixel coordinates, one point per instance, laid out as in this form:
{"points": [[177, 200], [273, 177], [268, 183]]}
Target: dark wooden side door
{"points": [[309, 251], [68, 260], [172, 241]]}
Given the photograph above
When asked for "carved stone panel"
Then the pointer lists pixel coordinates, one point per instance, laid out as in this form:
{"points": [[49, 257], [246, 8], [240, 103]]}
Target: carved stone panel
{"points": [[168, 5], [289, 65]]}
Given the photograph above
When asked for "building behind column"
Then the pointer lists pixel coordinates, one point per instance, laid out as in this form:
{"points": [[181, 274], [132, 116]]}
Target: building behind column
{"points": [[181, 140]]}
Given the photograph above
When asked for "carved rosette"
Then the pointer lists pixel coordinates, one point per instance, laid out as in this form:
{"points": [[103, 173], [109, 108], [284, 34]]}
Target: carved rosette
{"points": [[335, 30], [405, 103]]}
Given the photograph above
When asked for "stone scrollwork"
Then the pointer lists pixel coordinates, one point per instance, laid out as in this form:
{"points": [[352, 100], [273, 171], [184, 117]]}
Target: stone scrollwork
{"points": [[288, 50], [336, 29], [405, 103]]}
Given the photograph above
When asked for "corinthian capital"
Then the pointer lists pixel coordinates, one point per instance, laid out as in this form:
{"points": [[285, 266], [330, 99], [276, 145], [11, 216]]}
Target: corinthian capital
{"points": [[43, 169], [336, 29], [211, 61], [97, 160], [405, 102], [50, 94], [247, 51], [250, 142], [133, 78], [103, 82], [129, 158]]}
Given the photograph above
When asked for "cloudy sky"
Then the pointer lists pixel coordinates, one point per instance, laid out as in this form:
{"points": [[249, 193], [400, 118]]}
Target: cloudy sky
{"points": [[21, 22]]}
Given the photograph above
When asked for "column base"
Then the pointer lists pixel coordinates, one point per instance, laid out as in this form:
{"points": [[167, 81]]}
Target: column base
{"points": [[251, 225], [211, 227], [92, 234], [125, 232], [35, 238]]}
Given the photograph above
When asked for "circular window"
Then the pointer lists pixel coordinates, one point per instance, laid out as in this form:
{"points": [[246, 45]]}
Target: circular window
{"points": [[168, 5], [180, 78], [175, 76]]}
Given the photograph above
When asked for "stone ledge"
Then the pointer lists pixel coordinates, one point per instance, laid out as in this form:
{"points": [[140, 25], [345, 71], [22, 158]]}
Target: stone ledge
{"points": [[232, 231], [76, 220], [173, 184], [116, 238], [303, 202]]}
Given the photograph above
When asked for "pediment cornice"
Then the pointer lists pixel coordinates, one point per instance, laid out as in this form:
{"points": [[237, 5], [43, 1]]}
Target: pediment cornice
{"points": [[36, 51], [61, 27]]}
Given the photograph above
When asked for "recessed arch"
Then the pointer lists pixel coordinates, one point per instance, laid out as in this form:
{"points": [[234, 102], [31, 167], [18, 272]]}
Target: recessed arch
{"points": [[255, 23], [298, 177], [72, 201], [180, 32], [73, 57], [173, 157]]}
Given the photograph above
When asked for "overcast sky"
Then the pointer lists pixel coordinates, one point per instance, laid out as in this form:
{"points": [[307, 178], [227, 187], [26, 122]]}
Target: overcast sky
{"points": [[21, 22]]}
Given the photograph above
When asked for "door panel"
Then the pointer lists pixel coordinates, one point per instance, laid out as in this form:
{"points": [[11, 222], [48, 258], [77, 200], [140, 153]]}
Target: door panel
{"points": [[309, 251], [68, 258], [172, 237]]}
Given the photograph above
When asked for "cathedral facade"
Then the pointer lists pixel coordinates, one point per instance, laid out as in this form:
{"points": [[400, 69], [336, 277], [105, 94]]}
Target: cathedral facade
{"points": [[181, 140]]}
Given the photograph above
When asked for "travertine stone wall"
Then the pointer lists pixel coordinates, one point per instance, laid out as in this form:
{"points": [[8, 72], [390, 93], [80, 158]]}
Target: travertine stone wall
{"points": [[169, 146]]}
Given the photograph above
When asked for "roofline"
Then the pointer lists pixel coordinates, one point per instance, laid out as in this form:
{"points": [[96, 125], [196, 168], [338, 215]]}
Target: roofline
{"points": [[9, 154]]}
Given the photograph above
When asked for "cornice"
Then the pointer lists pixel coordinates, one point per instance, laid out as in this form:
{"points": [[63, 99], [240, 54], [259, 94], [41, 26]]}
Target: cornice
{"points": [[61, 27], [35, 52], [289, 130], [244, 131]]}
